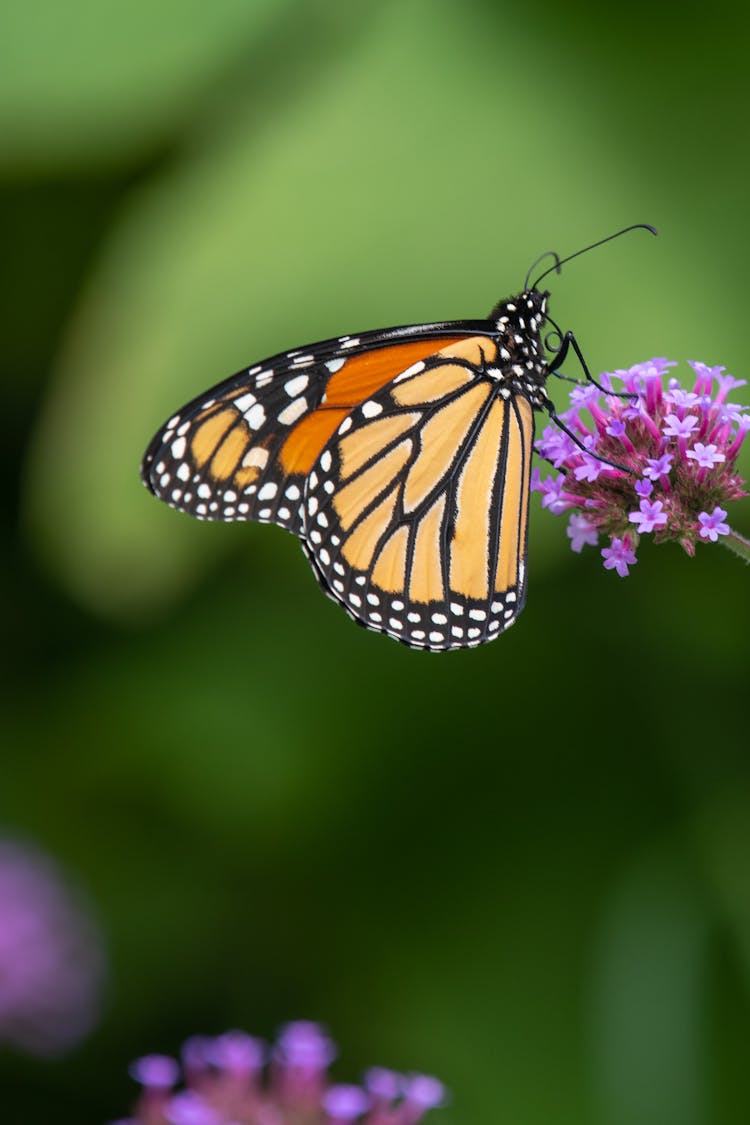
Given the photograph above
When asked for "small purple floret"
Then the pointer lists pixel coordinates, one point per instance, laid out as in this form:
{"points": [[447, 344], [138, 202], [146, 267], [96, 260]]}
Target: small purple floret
{"points": [[155, 1072], [383, 1083], [345, 1103], [658, 466], [236, 1051], [679, 427], [619, 557], [581, 532], [305, 1044], [188, 1108], [424, 1091], [650, 515], [712, 526], [589, 468], [705, 455]]}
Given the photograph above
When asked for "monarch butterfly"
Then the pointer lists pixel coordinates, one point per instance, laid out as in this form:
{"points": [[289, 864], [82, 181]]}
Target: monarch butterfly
{"points": [[400, 458]]}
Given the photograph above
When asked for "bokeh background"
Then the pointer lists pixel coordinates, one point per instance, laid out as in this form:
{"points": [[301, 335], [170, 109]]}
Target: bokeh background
{"points": [[525, 868]]}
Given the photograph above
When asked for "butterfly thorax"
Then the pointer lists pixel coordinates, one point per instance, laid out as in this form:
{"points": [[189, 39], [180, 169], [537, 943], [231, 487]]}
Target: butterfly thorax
{"points": [[523, 366]]}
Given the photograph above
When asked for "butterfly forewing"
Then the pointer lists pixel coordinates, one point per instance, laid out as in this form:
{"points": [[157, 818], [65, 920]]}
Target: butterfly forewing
{"points": [[415, 514], [243, 450]]}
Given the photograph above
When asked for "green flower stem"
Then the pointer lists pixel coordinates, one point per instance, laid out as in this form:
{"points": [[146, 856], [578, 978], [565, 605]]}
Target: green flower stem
{"points": [[738, 544]]}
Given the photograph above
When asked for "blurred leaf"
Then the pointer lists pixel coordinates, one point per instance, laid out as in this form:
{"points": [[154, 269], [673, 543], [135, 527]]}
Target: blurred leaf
{"points": [[723, 832], [649, 994], [81, 80]]}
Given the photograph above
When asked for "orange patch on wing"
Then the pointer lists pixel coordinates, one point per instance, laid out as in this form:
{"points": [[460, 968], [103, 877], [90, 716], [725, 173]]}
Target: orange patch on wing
{"points": [[356, 449], [426, 578], [515, 497], [308, 439], [432, 384], [246, 476], [363, 375], [469, 550], [208, 435], [440, 439], [351, 500], [229, 454], [389, 571], [360, 546]]}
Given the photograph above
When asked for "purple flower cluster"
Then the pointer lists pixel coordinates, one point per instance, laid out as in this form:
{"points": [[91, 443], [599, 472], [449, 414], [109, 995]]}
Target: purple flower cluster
{"points": [[679, 448], [235, 1078], [51, 961]]}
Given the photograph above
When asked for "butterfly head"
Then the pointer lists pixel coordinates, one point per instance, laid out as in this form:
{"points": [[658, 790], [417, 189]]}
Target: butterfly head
{"points": [[519, 322]]}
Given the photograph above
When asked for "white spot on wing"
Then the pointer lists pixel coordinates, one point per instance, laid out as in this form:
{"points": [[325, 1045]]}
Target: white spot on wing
{"points": [[255, 416], [244, 402], [413, 370], [255, 456], [296, 386], [293, 411]]}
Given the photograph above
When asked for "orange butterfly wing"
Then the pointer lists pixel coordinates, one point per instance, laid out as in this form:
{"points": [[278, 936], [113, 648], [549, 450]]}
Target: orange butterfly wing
{"points": [[415, 514]]}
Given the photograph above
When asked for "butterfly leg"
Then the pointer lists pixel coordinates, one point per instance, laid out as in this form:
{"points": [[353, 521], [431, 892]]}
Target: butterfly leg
{"points": [[574, 438], [569, 341]]}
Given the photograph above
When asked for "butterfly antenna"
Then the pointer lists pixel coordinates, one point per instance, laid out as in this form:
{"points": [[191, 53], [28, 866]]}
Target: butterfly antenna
{"points": [[532, 267], [561, 262]]}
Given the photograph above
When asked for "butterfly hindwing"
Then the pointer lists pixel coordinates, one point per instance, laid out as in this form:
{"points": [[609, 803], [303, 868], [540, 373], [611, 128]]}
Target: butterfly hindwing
{"points": [[415, 514]]}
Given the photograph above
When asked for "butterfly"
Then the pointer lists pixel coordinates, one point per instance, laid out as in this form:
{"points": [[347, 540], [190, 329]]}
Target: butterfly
{"points": [[400, 458]]}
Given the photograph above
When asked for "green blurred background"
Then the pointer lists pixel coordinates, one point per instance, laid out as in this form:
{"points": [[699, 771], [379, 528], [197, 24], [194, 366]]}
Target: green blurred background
{"points": [[524, 868]]}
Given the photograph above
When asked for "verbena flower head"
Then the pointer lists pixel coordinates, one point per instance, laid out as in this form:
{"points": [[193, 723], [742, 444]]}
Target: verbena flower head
{"points": [[236, 1079], [51, 961], [680, 448]]}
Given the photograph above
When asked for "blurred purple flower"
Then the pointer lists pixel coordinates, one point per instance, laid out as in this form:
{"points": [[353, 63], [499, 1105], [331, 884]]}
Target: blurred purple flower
{"points": [[51, 959], [235, 1079], [580, 532], [679, 447]]}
